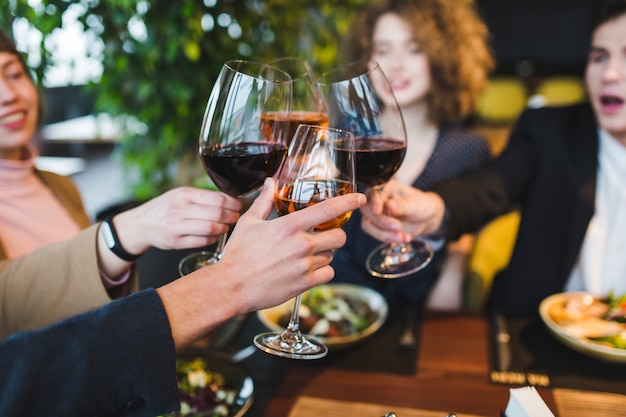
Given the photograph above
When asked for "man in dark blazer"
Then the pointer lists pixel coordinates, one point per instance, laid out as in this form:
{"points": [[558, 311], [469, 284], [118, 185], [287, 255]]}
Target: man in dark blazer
{"points": [[549, 171]]}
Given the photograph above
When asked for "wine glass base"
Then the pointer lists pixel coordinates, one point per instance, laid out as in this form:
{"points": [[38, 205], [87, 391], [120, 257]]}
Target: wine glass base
{"points": [[395, 261], [195, 261], [304, 348]]}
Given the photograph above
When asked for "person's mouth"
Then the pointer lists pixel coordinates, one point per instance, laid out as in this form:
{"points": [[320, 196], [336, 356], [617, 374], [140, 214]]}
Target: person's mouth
{"points": [[13, 120], [397, 85], [611, 103]]}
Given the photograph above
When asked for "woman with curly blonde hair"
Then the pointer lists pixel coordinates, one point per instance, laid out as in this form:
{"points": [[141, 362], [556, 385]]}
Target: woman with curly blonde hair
{"points": [[436, 56]]}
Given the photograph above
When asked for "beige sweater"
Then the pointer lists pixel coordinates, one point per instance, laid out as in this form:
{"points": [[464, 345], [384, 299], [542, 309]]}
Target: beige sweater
{"points": [[51, 283]]}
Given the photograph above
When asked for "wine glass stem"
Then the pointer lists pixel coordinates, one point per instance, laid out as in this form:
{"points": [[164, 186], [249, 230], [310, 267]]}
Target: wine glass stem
{"points": [[220, 245], [292, 334], [394, 248]]}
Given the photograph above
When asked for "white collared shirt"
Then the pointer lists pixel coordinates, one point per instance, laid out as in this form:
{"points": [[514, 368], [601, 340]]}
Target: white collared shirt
{"points": [[601, 267]]}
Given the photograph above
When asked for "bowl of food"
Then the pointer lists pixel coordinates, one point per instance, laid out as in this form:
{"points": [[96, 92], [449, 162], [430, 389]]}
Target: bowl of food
{"points": [[595, 326], [211, 387], [338, 315]]}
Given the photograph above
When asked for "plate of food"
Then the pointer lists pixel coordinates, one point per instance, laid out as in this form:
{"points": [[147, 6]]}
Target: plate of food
{"points": [[211, 387], [338, 315], [595, 326]]}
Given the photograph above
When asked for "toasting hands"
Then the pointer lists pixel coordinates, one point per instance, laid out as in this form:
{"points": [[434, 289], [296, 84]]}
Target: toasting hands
{"points": [[264, 263], [399, 212]]}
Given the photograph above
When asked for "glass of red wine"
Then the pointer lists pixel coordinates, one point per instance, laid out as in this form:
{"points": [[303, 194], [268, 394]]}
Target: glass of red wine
{"points": [[240, 143], [360, 100], [308, 105], [319, 165]]}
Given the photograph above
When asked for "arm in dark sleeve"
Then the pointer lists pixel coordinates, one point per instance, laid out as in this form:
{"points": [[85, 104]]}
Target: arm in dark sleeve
{"points": [[116, 360], [478, 196]]}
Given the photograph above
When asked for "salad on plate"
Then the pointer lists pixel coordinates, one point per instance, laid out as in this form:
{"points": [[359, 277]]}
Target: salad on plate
{"points": [[600, 320], [339, 315], [204, 391]]}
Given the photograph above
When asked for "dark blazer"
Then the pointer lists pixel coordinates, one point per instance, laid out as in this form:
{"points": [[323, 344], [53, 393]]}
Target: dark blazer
{"points": [[118, 360], [548, 171]]}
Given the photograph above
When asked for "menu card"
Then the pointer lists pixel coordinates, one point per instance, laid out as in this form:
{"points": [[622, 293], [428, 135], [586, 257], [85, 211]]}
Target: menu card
{"points": [[526, 402]]}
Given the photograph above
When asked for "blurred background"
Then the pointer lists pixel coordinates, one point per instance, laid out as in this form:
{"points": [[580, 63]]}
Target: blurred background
{"points": [[125, 82]]}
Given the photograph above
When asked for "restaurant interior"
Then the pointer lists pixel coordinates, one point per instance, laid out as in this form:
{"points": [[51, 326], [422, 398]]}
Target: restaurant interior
{"points": [[457, 364]]}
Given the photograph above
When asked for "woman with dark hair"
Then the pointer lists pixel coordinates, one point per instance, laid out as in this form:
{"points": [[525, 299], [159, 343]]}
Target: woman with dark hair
{"points": [[437, 60], [565, 168]]}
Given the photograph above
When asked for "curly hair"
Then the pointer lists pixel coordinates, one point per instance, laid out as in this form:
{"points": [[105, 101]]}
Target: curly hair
{"points": [[452, 35]]}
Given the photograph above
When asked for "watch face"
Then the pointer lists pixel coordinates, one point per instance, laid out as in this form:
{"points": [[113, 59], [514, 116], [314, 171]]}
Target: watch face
{"points": [[108, 235]]}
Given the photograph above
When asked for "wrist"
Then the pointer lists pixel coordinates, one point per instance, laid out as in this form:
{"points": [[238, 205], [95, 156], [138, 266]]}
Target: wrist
{"points": [[113, 242], [440, 217]]}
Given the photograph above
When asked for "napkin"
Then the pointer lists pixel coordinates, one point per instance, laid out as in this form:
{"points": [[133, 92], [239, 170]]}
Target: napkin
{"points": [[526, 402]]}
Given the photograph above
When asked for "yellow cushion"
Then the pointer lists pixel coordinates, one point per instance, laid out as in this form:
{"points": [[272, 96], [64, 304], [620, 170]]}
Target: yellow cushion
{"points": [[560, 91], [491, 253], [503, 100]]}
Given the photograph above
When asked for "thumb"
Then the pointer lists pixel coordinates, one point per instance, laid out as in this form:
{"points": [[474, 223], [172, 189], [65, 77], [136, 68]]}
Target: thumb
{"points": [[262, 205]]}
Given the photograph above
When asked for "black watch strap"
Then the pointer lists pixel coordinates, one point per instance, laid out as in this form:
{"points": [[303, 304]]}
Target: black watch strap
{"points": [[113, 241]]}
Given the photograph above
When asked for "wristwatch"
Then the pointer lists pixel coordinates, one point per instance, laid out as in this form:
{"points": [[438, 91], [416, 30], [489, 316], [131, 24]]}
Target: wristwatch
{"points": [[113, 242]]}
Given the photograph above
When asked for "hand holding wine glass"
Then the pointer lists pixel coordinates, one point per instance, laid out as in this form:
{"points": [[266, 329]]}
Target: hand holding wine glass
{"points": [[319, 165], [240, 144], [360, 100]]}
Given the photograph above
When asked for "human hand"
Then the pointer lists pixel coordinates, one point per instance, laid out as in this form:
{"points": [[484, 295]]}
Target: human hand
{"points": [[181, 218], [287, 256], [399, 212], [264, 263]]}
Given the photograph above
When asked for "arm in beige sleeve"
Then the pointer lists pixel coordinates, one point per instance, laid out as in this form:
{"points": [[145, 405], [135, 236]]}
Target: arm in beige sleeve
{"points": [[51, 283]]}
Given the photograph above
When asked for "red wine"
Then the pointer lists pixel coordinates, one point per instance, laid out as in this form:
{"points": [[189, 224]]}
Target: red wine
{"points": [[240, 168], [272, 121], [377, 159], [298, 195]]}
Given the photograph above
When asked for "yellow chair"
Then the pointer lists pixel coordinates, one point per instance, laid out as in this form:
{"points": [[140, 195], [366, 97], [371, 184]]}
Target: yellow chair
{"points": [[559, 91], [503, 100], [491, 253]]}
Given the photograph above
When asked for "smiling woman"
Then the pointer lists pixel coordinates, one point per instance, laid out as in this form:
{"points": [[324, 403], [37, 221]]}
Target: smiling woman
{"points": [[436, 58]]}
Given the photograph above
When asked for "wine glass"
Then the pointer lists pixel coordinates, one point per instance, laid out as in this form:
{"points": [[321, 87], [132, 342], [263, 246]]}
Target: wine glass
{"points": [[361, 100], [319, 165], [240, 142], [308, 105]]}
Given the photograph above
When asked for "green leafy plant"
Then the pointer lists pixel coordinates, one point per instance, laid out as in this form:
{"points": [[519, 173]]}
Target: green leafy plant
{"points": [[161, 58]]}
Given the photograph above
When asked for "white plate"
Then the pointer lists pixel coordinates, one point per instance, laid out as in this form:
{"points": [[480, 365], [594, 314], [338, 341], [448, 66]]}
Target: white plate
{"points": [[270, 317], [580, 344]]}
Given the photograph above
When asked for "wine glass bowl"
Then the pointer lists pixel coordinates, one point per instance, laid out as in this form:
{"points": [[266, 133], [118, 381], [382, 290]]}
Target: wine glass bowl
{"points": [[239, 144], [361, 100], [308, 104], [319, 165]]}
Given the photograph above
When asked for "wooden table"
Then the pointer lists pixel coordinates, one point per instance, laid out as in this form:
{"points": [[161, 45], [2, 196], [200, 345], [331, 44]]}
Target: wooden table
{"points": [[452, 376]]}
